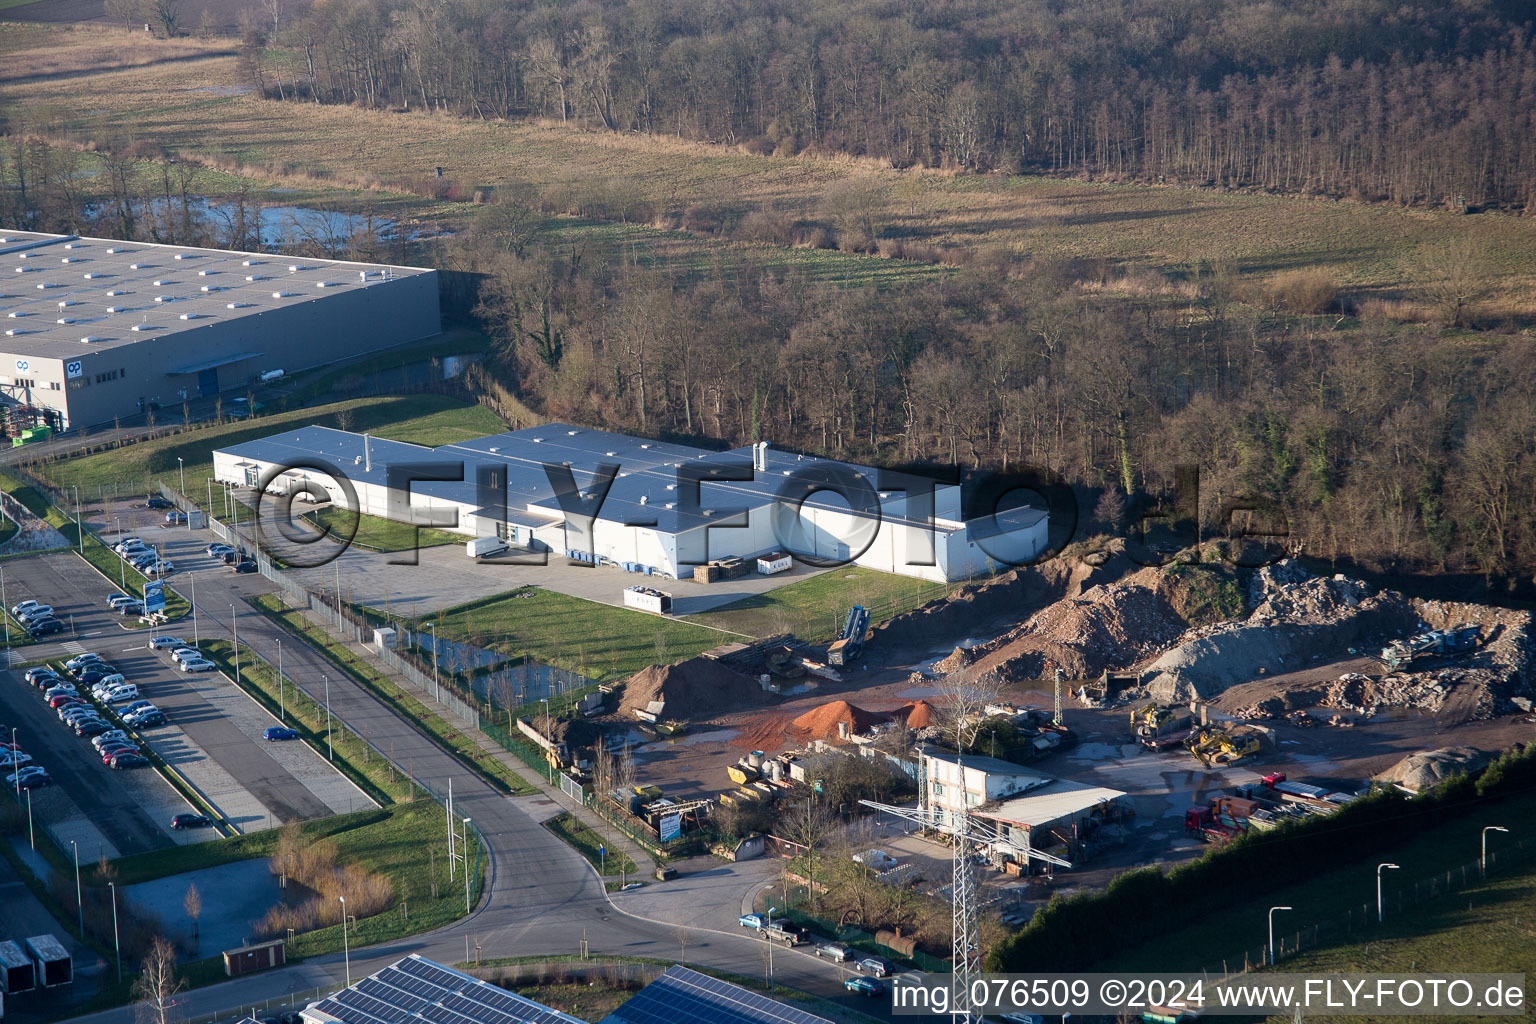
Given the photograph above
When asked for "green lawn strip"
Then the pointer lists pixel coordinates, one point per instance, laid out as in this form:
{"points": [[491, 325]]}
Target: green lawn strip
{"points": [[378, 534], [447, 735], [349, 754], [585, 841], [316, 384], [1483, 929], [178, 782], [599, 641], [386, 416], [35, 501], [1235, 923], [815, 609]]}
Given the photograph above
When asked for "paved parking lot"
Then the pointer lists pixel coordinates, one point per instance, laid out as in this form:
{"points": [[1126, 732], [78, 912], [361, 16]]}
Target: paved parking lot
{"points": [[214, 734]]}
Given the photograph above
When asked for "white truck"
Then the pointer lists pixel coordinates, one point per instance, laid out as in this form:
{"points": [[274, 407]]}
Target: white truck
{"points": [[485, 547]]}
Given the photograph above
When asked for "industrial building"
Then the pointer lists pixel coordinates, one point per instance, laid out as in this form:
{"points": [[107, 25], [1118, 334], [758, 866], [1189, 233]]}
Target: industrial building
{"points": [[97, 329], [666, 509]]}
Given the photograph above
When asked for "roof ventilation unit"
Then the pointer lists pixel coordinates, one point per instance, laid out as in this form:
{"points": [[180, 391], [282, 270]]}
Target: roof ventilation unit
{"points": [[140, 328], [115, 249], [282, 295], [27, 255], [116, 309], [325, 284], [65, 320], [67, 302], [212, 288], [48, 284], [18, 314], [163, 283], [251, 263], [610, 454], [165, 298], [206, 273], [25, 270], [238, 305], [71, 245], [71, 259], [191, 316], [138, 266], [14, 332], [90, 338], [572, 433], [254, 277], [645, 446], [669, 505], [184, 256], [91, 277], [116, 291], [644, 498]]}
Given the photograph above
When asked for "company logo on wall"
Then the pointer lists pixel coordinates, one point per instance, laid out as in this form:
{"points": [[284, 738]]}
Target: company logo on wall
{"points": [[23, 365], [73, 369]]}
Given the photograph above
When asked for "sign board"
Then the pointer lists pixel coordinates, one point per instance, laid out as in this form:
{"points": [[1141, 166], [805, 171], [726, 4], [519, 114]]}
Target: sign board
{"points": [[154, 597], [670, 826], [74, 368], [23, 365]]}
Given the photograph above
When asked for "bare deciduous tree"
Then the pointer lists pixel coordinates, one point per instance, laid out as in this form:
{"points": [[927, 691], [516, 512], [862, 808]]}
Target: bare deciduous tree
{"points": [[965, 698], [192, 903], [157, 986]]}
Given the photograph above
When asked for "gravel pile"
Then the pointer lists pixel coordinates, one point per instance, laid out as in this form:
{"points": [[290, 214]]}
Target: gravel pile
{"points": [[1421, 771]]}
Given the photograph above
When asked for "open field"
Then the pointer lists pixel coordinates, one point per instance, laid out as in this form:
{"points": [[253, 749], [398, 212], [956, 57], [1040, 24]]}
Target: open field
{"points": [[1483, 929], [1225, 929], [405, 418], [815, 609], [598, 640], [379, 534], [1370, 250]]}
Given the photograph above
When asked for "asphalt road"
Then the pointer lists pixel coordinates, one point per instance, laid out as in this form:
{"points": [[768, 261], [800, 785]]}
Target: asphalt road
{"points": [[76, 590]]}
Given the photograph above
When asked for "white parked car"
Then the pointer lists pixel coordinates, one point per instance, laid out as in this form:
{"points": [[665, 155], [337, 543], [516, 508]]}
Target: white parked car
{"points": [[80, 661], [197, 665], [110, 736], [122, 694], [158, 643], [22, 607]]}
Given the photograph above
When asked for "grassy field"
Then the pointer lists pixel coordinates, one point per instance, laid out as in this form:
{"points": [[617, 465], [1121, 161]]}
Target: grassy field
{"points": [[598, 640], [1485, 929], [325, 152], [1236, 922], [587, 842], [446, 734], [403, 418], [378, 534], [816, 608], [314, 385]]}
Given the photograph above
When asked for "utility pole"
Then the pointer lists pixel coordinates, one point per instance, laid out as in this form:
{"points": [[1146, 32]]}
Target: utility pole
{"points": [[449, 809], [234, 627], [192, 579], [281, 706], [330, 748], [467, 907], [346, 951]]}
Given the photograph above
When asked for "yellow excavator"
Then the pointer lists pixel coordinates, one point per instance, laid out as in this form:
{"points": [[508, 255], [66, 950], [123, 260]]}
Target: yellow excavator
{"points": [[1216, 745]]}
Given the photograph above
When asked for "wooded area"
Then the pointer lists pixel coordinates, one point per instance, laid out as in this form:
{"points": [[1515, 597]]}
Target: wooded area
{"points": [[1418, 103]]}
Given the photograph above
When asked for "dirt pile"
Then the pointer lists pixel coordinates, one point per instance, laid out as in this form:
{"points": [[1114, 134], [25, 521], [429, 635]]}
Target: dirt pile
{"points": [[1424, 770], [692, 689], [829, 721], [919, 715], [1295, 619], [1110, 625]]}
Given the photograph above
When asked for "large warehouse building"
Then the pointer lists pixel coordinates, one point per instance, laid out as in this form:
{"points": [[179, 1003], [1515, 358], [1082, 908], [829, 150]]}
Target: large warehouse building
{"points": [[96, 329], [669, 507]]}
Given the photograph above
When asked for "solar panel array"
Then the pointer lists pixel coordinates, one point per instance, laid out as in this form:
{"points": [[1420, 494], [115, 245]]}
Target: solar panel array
{"points": [[683, 996], [418, 991]]}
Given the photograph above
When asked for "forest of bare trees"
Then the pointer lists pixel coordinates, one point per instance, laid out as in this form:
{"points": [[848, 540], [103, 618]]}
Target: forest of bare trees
{"points": [[1416, 103], [1398, 447]]}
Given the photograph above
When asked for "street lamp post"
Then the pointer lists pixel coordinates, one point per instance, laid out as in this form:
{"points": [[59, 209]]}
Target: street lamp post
{"points": [[78, 905], [328, 745], [18, 777], [31, 838], [282, 707], [1482, 863], [4, 608], [1272, 933], [181, 468], [769, 942], [234, 627], [192, 579], [116, 947], [346, 951], [79, 530], [1379, 867]]}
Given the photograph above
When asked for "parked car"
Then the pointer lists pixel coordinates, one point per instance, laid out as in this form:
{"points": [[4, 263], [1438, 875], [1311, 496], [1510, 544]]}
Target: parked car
{"points": [[144, 561], [96, 673], [113, 600], [42, 611], [129, 760], [112, 750], [109, 681], [879, 966], [278, 733], [218, 549], [249, 565], [197, 665], [62, 687], [834, 951], [160, 569], [231, 557], [22, 607], [160, 643], [866, 986], [14, 758], [146, 719], [91, 727], [75, 712], [182, 821], [60, 700], [135, 707], [109, 737], [156, 501], [183, 653], [175, 517], [43, 677], [752, 920], [126, 542], [81, 660], [45, 627], [121, 694], [29, 777], [136, 551], [132, 607]]}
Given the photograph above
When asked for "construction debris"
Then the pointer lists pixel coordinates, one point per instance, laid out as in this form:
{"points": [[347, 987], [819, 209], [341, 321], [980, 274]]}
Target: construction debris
{"points": [[692, 689], [1421, 771]]}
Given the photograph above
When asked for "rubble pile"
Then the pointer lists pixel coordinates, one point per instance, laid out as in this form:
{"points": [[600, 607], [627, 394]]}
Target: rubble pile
{"points": [[692, 689], [1427, 769], [1108, 626]]}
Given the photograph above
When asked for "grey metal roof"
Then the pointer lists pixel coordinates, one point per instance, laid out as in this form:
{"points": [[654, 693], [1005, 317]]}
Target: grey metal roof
{"points": [[418, 991], [64, 295], [684, 996]]}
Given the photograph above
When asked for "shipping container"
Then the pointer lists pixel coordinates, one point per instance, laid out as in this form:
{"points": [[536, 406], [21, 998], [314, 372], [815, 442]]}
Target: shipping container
{"points": [[17, 972], [54, 966]]}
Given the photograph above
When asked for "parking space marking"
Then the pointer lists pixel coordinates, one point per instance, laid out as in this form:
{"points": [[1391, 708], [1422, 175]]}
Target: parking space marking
{"points": [[73, 646]]}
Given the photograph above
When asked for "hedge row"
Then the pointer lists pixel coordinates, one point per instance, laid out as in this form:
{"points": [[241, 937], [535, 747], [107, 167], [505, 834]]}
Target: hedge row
{"points": [[1072, 933]]}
